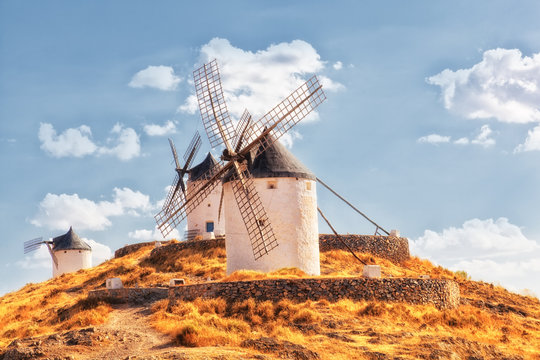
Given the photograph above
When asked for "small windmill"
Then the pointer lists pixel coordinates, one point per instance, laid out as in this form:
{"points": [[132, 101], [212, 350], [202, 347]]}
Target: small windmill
{"points": [[68, 252], [239, 143]]}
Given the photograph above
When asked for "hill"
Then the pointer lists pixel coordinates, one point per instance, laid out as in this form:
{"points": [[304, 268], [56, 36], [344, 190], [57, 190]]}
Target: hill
{"points": [[56, 320]]}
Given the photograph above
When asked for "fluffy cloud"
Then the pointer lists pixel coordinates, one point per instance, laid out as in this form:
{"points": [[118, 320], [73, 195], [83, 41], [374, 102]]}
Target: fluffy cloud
{"points": [[531, 143], [434, 139], [150, 235], [77, 142], [504, 86], [158, 77], [59, 212], [41, 259], [160, 130], [338, 65], [483, 139], [72, 142], [128, 144], [490, 250], [260, 80]]}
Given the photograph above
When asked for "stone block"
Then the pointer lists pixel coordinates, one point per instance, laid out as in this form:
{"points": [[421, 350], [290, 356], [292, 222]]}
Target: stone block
{"points": [[371, 271], [424, 276], [208, 236], [176, 282], [394, 233], [114, 283]]}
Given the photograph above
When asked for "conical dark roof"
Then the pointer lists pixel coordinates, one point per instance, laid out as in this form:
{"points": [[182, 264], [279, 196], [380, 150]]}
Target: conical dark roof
{"points": [[197, 172], [276, 161], [69, 241]]}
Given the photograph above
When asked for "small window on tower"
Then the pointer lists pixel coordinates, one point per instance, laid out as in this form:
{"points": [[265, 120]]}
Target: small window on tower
{"points": [[308, 185], [208, 204], [209, 226], [271, 185]]}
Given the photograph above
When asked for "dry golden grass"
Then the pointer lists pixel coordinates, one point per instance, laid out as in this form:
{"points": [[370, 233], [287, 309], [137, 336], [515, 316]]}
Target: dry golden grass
{"points": [[481, 326]]}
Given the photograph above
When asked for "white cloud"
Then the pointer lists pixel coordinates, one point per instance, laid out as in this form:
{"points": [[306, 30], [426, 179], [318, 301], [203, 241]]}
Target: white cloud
{"points": [[484, 138], [434, 139], [128, 144], [59, 212], [260, 80], [160, 130], [72, 142], [532, 142], [77, 142], [462, 141], [490, 250], [338, 65], [100, 252], [504, 86], [150, 235], [158, 77]]}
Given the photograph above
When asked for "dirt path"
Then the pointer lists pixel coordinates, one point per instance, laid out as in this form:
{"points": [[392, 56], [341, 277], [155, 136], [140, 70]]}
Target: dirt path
{"points": [[128, 333]]}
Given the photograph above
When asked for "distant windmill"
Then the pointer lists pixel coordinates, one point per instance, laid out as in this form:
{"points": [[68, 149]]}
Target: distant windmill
{"points": [[68, 252], [241, 147]]}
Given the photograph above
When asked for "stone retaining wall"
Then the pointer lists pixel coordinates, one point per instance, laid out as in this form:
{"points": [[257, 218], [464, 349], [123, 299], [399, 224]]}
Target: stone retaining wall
{"points": [[392, 248], [443, 294], [395, 249], [131, 295]]}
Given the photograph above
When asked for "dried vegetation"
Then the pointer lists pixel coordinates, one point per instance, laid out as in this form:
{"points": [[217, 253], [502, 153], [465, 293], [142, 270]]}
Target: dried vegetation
{"points": [[491, 322]]}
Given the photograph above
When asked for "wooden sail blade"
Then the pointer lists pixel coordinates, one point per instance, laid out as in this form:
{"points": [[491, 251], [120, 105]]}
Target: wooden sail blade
{"points": [[244, 134], [214, 113], [179, 206], [285, 115], [192, 149], [173, 149], [253, 213], [33, 244]]}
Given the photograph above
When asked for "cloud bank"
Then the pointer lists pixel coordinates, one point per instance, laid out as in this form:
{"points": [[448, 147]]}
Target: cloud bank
{"points": [[484, 138], [160, 130], [59, 212], [504, 86], [260, 80], [77, 142], [489, 250], [157, 77]]}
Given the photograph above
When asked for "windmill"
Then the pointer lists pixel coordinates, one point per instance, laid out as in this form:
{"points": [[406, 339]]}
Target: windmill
{"points": [[239, 144], [178, 183], [68, 252]]}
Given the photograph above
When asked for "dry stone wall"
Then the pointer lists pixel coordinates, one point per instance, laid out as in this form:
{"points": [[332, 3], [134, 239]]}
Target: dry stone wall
{"points": [[443, 294], [392, 248], [131, 295], [395, 249]]}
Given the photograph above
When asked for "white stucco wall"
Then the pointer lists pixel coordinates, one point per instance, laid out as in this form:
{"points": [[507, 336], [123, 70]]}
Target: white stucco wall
{"points": [[292, 210], [207, 211], [71, 260]]}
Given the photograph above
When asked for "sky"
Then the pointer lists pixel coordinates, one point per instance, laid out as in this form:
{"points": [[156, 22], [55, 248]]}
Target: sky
{"points": [[431, 124]]}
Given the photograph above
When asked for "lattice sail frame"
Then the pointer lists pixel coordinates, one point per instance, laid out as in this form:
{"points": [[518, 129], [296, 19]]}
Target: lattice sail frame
{"points": [[214, 113], [176, 208], [253, 214], [286, 114]]}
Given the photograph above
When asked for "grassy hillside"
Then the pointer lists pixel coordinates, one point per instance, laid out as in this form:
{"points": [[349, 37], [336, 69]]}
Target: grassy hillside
{"points": [[491, 322]]}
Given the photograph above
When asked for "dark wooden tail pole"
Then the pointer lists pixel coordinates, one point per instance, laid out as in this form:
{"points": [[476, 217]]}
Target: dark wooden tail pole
{"points": [[352, 206], [339, 237]]}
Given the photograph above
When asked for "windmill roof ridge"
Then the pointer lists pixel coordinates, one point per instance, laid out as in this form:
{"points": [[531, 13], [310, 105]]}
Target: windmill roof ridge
{"points": [[277, 161], [69, 241], [198, 171]]}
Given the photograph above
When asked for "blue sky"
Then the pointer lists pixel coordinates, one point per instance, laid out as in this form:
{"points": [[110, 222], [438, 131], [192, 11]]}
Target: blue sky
{"points": [[430, 126]]}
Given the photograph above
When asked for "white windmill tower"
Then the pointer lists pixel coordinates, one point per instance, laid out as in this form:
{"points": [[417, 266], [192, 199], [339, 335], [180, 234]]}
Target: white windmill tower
{"points": [[250, 137], [69, 252]]}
